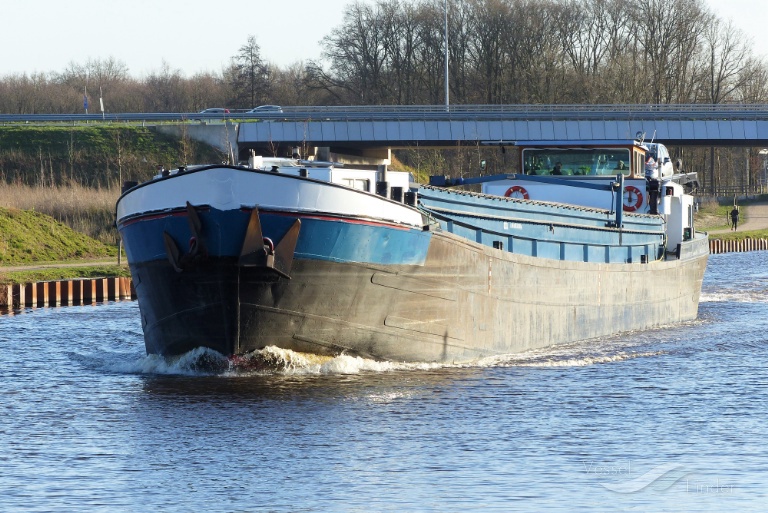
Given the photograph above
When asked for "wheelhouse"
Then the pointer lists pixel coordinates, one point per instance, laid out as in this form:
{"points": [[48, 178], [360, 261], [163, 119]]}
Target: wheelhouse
{"points": [[601, 158]]}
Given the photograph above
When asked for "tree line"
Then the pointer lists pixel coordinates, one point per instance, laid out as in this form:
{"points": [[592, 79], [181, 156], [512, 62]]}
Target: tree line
{"points": [[539, 51], [499, 52]]}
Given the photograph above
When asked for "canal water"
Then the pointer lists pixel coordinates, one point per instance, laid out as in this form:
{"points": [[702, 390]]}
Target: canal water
{"points": [[672, 419]]}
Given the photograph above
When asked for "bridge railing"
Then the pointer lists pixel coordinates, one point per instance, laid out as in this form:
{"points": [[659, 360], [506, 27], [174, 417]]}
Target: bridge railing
{"points": [[575, 112]]}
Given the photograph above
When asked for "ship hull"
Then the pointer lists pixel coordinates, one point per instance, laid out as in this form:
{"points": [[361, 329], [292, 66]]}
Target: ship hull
{"points": [[496, 276], [466, 302]]}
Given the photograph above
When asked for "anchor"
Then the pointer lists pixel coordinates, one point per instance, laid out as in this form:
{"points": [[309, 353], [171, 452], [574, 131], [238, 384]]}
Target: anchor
{"points": [[197, 249], [260, 251]]}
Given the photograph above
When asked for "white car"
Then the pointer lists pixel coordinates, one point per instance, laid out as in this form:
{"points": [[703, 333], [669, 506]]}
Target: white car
{"points": [[263, 109]]}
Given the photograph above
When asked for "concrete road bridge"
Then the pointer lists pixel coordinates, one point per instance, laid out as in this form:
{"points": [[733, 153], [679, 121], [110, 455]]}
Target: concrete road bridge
{"points": [[370, 132]]}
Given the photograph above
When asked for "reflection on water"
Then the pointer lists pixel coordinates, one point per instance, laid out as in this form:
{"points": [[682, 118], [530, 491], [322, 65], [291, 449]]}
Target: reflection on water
{"points": [[665, 419]]}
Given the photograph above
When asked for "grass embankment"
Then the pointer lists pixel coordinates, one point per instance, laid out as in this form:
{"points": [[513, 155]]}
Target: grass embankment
{"points": [[87, 210], [50, 250], [58, 188]]}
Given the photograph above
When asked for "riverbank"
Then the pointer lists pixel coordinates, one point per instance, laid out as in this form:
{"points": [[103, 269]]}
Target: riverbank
{"points": [[62, 271], [752, 217], [36, 247], [751, 233]]}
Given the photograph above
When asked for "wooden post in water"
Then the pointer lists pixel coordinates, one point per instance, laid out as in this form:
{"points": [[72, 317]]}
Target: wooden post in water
{"points": [[6, 295], [89, 291], [18, 296], [42, 293], [125, 288], [717, 246], [65, 297], [77, 292], [112, 289], [30, 294], [54, 293], [101, 289]]}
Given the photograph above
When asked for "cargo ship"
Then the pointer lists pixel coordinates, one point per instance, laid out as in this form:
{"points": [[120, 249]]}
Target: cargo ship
{"points": [[316, 257]]}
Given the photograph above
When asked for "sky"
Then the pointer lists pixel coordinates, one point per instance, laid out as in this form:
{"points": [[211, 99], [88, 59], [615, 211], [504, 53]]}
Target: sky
{"points": [[195, 36]]}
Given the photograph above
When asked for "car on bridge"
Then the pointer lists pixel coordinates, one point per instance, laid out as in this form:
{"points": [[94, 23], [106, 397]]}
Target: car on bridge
{"points": [[265, 109], [215, 110]]}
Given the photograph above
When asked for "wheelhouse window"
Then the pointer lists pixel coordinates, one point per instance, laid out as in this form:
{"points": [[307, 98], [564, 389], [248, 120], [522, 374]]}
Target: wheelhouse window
{"points": [[576, 161]]}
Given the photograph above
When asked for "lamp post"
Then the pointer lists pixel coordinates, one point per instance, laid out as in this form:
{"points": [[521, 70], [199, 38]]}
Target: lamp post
{"points": [[447, 102]]}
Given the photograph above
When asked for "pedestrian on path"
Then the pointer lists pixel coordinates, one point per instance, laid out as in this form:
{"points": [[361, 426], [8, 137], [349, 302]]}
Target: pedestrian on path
{"points": [[734, 217]]}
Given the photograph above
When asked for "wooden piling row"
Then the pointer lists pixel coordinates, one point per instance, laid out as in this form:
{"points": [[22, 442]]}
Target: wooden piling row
{"points": [[66, 292], [737, 246]]}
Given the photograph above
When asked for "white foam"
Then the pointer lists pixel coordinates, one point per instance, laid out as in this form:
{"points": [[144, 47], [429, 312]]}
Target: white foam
{"points": [[734, 296], [276, 361], [577, 361], [198, 361]]}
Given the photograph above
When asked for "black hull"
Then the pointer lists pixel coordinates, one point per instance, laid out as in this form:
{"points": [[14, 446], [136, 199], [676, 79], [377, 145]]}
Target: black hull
{"points": [[182, 311], [468, 301], [234, 309]]}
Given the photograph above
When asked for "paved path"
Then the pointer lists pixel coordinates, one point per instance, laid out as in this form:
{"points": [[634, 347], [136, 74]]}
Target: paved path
{"points": [[756, 218], [53, 265]]}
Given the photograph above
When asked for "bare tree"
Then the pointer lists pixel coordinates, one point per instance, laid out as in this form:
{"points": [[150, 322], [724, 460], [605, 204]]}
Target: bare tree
{"points": [[291, 86], [587, 30], [357, 54], [248, 75], [401, 40], [206, 90], [536, 54], [166, 91], [669, 33], [726, 55], [430, 54], [753, 82], [459, 37], [490, 19]]}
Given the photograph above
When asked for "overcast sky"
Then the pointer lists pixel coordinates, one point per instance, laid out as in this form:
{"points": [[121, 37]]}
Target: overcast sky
{"points": [[197, 35]]}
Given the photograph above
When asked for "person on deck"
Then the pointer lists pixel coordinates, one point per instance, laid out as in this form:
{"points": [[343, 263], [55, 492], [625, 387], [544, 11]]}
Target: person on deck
{"points": [[651, 169], [558, 169], [734, 217]]}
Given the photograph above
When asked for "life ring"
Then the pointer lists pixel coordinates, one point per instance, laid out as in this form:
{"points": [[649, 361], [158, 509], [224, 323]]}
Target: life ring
{"points": [[633, 198], [516, 192]]}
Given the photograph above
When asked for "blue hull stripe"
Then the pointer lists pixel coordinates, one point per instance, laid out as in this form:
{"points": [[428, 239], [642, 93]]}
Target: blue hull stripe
{"points": [[320, 237]]}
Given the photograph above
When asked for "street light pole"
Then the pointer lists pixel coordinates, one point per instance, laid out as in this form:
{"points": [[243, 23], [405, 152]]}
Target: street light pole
{"points": [[447, 102]]}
